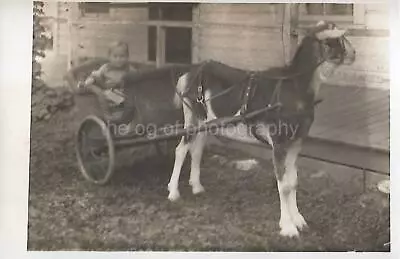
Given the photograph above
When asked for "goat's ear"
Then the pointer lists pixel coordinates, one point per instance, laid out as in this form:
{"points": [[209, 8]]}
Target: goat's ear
{"points": [[330, 34]]}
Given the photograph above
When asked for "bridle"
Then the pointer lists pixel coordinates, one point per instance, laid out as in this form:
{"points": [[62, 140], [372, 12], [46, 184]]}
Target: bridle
{"points": [[341, 46]]}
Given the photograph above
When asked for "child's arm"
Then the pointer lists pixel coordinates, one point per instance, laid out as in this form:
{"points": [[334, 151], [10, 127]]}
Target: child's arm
{"points": [[96, 76], [91, 85], [89, 81]]}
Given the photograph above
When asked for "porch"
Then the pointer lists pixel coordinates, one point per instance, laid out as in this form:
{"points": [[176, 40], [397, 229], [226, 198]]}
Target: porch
{"points": [[353, 115]]}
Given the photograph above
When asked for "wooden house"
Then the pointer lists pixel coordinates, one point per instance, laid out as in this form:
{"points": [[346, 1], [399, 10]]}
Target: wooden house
{"points": [[249, 36]]}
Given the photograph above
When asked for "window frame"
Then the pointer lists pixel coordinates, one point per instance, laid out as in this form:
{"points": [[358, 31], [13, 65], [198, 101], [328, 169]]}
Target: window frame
{"points": [[161, 24], [355, 20], [93, 14]]}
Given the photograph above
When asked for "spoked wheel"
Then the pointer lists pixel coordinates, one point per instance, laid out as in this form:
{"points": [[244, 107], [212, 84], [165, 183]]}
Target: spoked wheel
{"points": [[95, 150]]}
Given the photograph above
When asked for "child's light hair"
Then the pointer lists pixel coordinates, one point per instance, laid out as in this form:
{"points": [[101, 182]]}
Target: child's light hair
{"points": [[119, 44]]}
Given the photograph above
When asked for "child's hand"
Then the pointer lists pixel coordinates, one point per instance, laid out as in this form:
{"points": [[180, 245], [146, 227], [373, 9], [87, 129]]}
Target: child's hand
{"points": [[81, 85], [89, 81], [113, 85], [81, 88]]}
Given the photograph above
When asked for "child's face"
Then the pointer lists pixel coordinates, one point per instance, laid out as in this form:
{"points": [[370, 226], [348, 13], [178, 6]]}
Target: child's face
{"points": [[119, 57]]}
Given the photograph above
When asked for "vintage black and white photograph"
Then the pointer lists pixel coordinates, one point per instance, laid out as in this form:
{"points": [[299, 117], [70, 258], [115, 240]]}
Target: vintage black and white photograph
{"points": [[207, 126]]}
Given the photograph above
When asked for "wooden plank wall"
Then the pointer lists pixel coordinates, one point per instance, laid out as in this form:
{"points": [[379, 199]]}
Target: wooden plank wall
{"points": [[371, 68], [92, 35], [241, 35]]}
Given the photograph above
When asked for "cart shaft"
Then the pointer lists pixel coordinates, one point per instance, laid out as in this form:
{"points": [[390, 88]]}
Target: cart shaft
{"points": [[180, 132]]}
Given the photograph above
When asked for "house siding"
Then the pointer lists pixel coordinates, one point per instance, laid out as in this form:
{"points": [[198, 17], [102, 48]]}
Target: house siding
{"points": [[249, 36], [377, 16], [92, 39], [371, 68], [241, 35], [91, 35], [246, 36]]}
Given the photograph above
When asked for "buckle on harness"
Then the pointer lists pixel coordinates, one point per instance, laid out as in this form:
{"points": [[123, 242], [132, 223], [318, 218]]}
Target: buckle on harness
{"points": [[200, 95]]}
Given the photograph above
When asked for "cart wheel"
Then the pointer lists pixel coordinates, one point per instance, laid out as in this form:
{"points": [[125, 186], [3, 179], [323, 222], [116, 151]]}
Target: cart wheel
{"points": [[95, 150]]}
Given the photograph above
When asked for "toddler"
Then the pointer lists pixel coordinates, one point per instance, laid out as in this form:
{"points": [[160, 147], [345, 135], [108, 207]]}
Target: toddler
{"points": [[106, 82]]}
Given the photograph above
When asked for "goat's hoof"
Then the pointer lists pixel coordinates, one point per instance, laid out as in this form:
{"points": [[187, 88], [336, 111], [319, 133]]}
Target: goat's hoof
{"points": [[173, 195], [198, 188], [288, 229], [299, 221]]}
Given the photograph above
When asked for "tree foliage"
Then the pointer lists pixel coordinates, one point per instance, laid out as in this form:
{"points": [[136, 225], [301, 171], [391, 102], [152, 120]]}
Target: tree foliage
{"points": [[40, 41]]}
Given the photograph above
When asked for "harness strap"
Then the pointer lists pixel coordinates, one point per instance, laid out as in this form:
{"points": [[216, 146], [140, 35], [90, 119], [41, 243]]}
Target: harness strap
{"points": [[200, 93], [184, 94], [246, 97], [222, 92], [181, 96], [200, 101], [196, 76], [276, 94]]}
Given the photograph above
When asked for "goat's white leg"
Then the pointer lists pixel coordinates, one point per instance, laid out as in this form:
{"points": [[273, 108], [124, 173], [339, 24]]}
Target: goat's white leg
{"points": [[196, 151], [180, 155], [285, 186], [288, 228], [183, 146], [291, 172], [297, 218]]}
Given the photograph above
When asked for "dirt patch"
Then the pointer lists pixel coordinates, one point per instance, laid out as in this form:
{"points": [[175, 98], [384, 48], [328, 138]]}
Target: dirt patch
{"points": [[238, 212]]}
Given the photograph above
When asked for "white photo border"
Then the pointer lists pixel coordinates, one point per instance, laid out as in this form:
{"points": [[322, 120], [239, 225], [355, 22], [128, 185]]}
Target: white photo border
{"points": [[15, 94]]}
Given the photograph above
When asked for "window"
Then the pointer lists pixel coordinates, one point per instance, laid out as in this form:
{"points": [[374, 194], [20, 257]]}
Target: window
{"points": [[152, 43], [345, 13], [178, 45], [170, 33], [94, 8], [329, 9], [171, 12]]}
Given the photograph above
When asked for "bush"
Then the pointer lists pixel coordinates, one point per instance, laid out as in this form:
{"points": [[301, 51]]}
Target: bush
{"points": [[40, 41], [45, 100]]}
